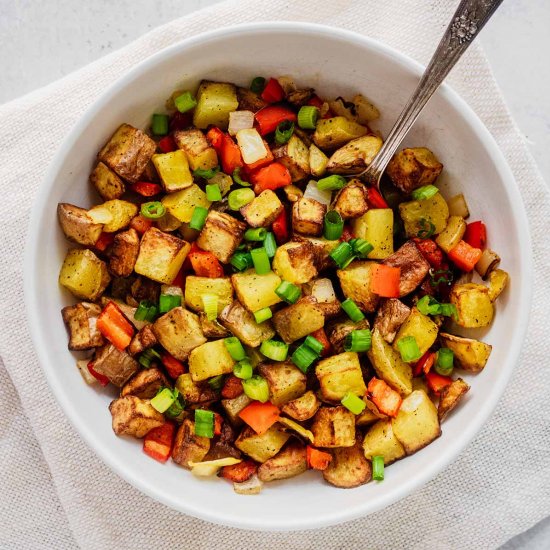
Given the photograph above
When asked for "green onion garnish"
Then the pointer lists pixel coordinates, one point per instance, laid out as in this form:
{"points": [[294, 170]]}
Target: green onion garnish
{"points": [[235, 348], [146, 311], [353, 403], [243, 369], [449, 310], [331, 183], [237, 178], [159, 124], [378, 468], [424, 193], [177, 406], [213, 192], [314, 344], [185, 102], [444, 361], [334, 225], [361, 247], [147, 358], [342, 255], [198, 218], [263, 315], [168, 302], [257, 234], [284, 132], [216, 382], [256, 388], [257, 85], [239, 198], [288, 292], [358, 340], [210, 305], [163, 400], [428, 229], [153, 210], [354, 313], [274, 349], [428, 305], [206, 174], [270, 244], [307, 117], [260, 259], [408, 348], [241, 260], [204, 423], [303, 357], [440, 276]]}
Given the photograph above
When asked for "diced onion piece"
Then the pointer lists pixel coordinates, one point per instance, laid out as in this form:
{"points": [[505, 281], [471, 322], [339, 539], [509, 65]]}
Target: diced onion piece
{"points": [[458, 206], [300, 430], [240, 120], [488, 262], [251, 486], [100, 214], [323, 291], [312, 192], [252, 146], [82, 365], [210, 305], [211, 467]]}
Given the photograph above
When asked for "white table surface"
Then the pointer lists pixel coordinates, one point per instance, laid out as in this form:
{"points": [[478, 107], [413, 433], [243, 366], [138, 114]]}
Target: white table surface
{"points": [[43, 41]]}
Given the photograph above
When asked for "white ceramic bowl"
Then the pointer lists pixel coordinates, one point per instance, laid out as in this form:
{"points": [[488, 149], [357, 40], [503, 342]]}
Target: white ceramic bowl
{"points": [[334, 62]]}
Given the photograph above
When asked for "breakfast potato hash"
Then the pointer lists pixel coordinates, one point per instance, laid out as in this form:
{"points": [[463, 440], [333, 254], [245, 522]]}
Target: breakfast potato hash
{"points": [[260, 308]]}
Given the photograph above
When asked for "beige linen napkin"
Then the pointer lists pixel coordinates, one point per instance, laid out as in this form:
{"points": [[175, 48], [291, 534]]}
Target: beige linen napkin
{"points": [[497, 488]]}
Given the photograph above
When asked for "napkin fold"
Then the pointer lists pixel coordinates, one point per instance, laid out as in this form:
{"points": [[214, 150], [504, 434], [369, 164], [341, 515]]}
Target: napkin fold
{"points": [[55, 493]]}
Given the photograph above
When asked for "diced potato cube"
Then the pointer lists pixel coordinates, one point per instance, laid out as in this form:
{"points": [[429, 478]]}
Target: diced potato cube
{"points": [[498, 279], [308, 216], [331, 133], [421, 328], [107, 183], [173, 170], [348, 467], [339, 375], [256, 291], [215, 100], [317, 161], [452, 234], [145, 384], [286, 382], [355, 283], [289, 462], [234, 406], [417, 215], [351, 201], [189, 447], [200, 154], [143, 340], [340, 328], [302, 408], [263, 210], [413, 267], [295, 156], [334, 427], [323, 291], [473, 304], [413, 168], [197, 287], [194, 393], [221, 235], [391, 314], [261, 447], [134, 416], [295, 262], [381, 441], [249, 101], [469, 354], [77, 225], [84, 274], [181, 204], [321, 249], [450, 396], [298, 320], [210, 359], [118, 212], [355, 156], [124, 253], [376, 227], [80, 320], [243, 325]]}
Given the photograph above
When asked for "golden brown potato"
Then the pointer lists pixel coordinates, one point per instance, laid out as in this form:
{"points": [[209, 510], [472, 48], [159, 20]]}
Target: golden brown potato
{"points": [[234, 406], [317, 161], [294, 154], [128, 152], [412, 264], [355, 283], [334, 427], [181, 204], [212, 328], [323, 291], [450, 396], [298, 320], [286, 382], [256, 291], [391, 314], [498, 279], [249, 101], [173, 170], [80, 320], [210, 359], [200, 154], [84, 274], [331, 133], [418, 215], [189, 447], [298, 98], [243, 325], [413, 168], [134, 416], [473, 305], [469, 354], [370, 414], [116, 365], [338, 329], [77, 225], [355, 156], [261, 447], [421, 328], [381, 441], [263, 210], [321, 250], [145, 384], [340, 374], [303, 408], [221, 235], [295, 262], [179, 332], [143, 340], [289, 462], [115, 214], [348, 468], [308, 216], [215, 100], [351, 201], [196, 287], [107, 183], [359, 109], [124, 253], [195, 393], [376, 227], [293, 193]]}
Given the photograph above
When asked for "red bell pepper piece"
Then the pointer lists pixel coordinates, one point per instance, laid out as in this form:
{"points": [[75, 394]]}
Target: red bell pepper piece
{"points": [[174, 368], [101, 378], [114, 326], [385, 398], [280, 228], [232, 388], [215, 138], [476, 235], [180, 121], [260, 416], [316, 459], [273, 176], [146, 189], [436, 382], [385, 281], [273, 91], [464, 256], [105, 239], [320, 335], [218, 421], [141, 224], [347, 234], [228, 151], [271, 116], [431, 252], [167, 144], [424, 364], [158, 442], [238, 473], [204, 263], [375, 199]]}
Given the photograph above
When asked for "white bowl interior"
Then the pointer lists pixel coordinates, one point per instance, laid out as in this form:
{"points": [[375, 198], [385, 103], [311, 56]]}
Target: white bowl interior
{"points": [[335, 62]]}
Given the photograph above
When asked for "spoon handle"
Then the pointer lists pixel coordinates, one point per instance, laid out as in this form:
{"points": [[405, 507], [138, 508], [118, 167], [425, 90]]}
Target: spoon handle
{"points": [[468, 20]]}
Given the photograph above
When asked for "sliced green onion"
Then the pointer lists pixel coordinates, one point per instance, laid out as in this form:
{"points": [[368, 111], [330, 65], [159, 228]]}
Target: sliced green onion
{"points": [[331, 183], [146, 311], [378, 468], [198, 218], [314, 344], [303, 357], [361, 247], [444, 361], [257, 85], [237, 178], [263, 315], [243, 369], [241, 260], [449, 310], [270, 244], [210, 305], [159, 124], [274, 349], [424, 193], [307, 117], [342, 255], [185, 102], [288, 292], [358, 340], [239, 198], [354, 313], [428, 229], [284, 132], [204, 423], [260, 259], [163, 400], [176, 408], [213, 192], [257, 234], [334, 225], [353, 403], [427, 305], [235, 348], [147, 358], [153, 210], [168, 302], [256, 388], [408, 348], [206, 174], [216, 382]]}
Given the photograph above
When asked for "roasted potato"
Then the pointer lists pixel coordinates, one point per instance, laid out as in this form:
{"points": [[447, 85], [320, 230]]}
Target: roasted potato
{"points": [[115, 364], [338, 329], [317, 161], [261, 447], [263, 210], [355, 156], [84, 274], [381, 441], [340, 374], [452, 234], [298, 320], [360, 109], [416, 424], [412, 264], [376, 227], [173, 170], [421, 328], [351, 200], [295, 262], [179, 332], [450, 396], [391, 314], [286, 382], [80, 320], [189, 447], [143, 340], [334, 427], [194, 393], [215, 100], [321, 250], [355, 283], [418, 215], [289, 462], [348, 467], [134, 416], [106, 182], [237, 319], [181, 204], [77, 225], [234, 406], [210, 359], [331, 133], [212, 328], [370, 414], [115, 214], [293, 193], [196, 287], [124, 253], [294, 154], [323, 291], [249, 101], [470, 355], [145, 384], [389, 366], [308, 216], [160, 255], [302, 408], [221, 235], [473, 305], [128, 152], [256, 291], [200, 154], [498, 279], [413, 168]]}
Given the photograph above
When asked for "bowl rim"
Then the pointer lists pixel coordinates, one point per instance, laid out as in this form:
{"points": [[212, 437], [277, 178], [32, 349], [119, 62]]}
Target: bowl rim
{"points": [[455, 447]]}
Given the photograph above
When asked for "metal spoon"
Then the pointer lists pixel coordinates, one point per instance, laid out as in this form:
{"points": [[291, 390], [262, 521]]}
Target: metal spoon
{"points": [[468, 20]]}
